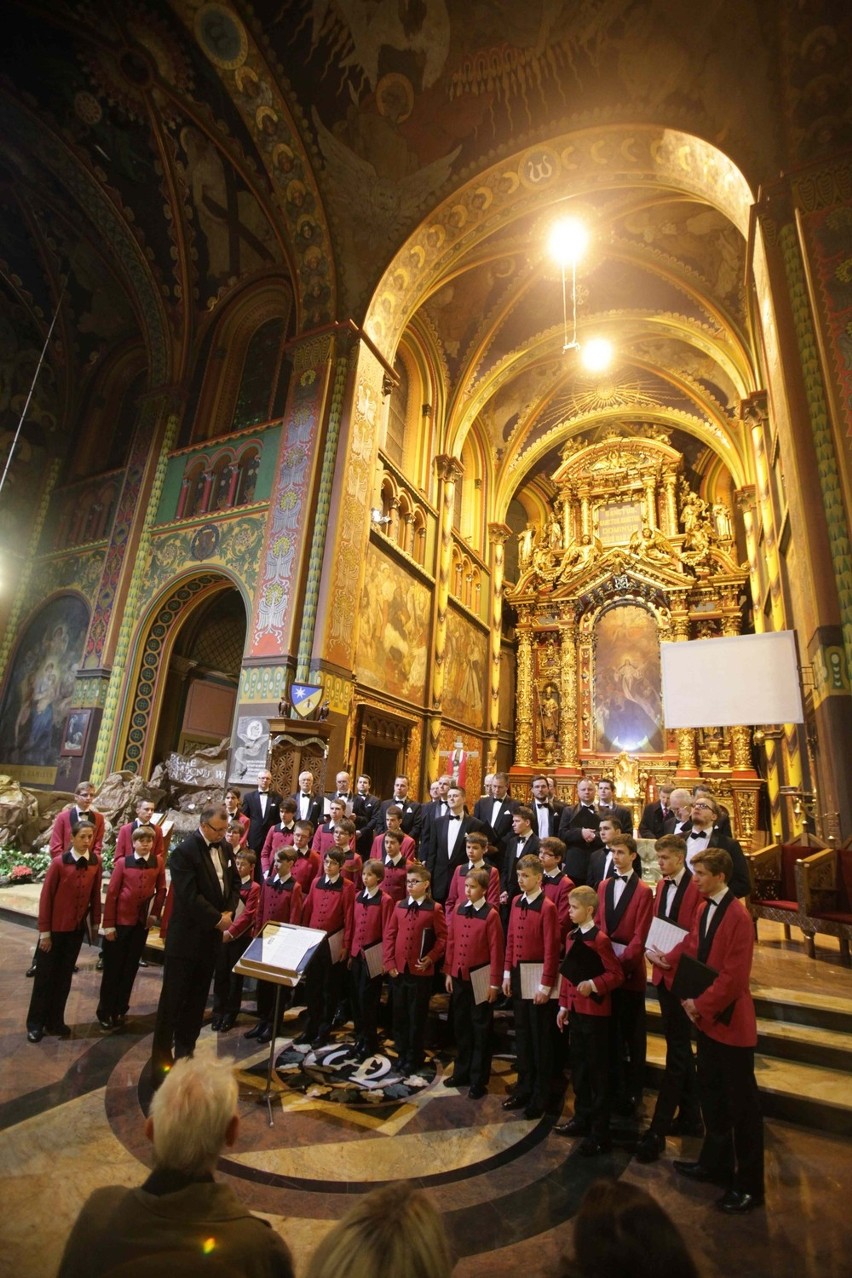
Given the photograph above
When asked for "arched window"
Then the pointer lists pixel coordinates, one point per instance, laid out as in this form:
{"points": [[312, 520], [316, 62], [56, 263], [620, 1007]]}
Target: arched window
{"points": [[222, 495], [397, 416], [260, 390], [419, 542]]}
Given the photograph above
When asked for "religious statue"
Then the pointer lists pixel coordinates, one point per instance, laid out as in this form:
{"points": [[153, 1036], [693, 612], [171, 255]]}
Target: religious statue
{"points": [[526, 542], [650, 544], [554, 533], [697, 527], [548, 709]]}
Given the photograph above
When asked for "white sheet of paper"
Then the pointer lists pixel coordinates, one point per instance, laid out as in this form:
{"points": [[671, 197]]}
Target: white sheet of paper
{"points": [[335, 944], [664, 936], [531, 974], [373, 958], [618, 949], [288, 945], [479, 980]]}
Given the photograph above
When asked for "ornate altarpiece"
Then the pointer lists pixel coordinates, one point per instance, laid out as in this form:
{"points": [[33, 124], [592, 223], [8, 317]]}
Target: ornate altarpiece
{"points": [[630, 557]]}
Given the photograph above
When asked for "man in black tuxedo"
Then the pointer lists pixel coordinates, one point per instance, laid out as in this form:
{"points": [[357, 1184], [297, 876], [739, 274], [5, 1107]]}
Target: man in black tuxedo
{"points": [[655, 814], [496, 813], [523, 841], [600, 862], [578, 830], [412, 813], [680, 809], [546, 812], [365, 805], [444, 849], [723, 820], [607, 806], [704, 832], [205, 892], [261, 806], [343, 791], [436, 807], [308, 805]]}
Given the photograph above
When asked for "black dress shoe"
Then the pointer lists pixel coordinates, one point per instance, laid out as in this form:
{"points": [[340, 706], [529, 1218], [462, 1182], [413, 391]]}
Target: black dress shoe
{"points": [[338, 1020], [256, 1030], [695, 1171], [35, 1036], [573, 1127], [301, 1040], [144, 963], [227, 1023], [650, 1147], [590, 1148], [457, 1080], [61, 1031], [477, 1092], [265, 1034], [216, 1022], [320, 1041], [736, 1202], [31, 971], [516, 1102], [99, 966], [105, 1023]]}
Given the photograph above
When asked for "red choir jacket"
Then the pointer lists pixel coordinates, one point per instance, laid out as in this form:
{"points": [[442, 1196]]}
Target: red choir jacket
{"points": [[249, 899], [409, 848], [475, 938], [372, 915], [324, 839], [279, 903], [627, 924], [456, 892], [351, 869], [404, 936], [557, 890], [610, 979], [124, 842], [394, 881], [728, 947], [533, 937], [133, 885], [69, 894], [330, 907], [306, 868], [682, 912], [276, 838], [60, 835]]}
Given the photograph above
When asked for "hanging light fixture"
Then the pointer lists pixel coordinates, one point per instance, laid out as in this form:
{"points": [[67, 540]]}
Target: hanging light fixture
{"points": [[568, 242]]}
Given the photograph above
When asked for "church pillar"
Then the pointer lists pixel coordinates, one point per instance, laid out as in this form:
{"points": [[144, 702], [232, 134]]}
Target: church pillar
{"points": [[585, 515], [449, 470], [524, 735], [687, 759], [568, 693], [670, 487], [650, 487], [497, 535]]}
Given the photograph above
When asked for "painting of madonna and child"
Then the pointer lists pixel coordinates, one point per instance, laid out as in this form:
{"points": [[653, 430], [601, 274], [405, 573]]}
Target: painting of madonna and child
{"points": [[627, 683]]}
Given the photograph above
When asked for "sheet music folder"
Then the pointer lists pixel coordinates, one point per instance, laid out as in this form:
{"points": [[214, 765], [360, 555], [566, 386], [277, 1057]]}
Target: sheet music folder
{"points": [[581, 963], [692, 978], [281, 953]]}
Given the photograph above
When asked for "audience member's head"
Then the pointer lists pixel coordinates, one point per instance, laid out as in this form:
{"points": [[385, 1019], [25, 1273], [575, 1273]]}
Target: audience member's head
{"points": [[193, 1116], [620, 1229], [394, 1231]]}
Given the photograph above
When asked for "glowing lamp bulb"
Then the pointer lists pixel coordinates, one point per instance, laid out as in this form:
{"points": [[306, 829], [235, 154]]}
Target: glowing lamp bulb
{"points": [[568, 241], [596, 354]]}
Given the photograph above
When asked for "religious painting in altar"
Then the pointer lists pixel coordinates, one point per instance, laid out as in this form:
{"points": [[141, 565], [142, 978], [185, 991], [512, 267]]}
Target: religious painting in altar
{"points": [[394, 630], [466, 661], [628, 711]]}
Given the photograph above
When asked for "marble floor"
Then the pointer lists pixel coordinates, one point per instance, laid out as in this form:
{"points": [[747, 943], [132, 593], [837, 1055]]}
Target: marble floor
{"points": [[71, 1114]]}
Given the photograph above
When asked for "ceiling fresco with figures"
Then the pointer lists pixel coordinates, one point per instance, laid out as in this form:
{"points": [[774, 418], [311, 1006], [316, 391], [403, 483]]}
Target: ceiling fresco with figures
{"points": [[158, 155]]}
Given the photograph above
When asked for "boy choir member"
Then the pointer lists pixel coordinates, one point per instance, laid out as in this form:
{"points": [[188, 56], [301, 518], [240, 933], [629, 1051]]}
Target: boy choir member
{"points": [[71, 893], [533, 938], [600, 862], [281, 835], [676, 900], [585, 1005], [80, 810], [414, 942], [344, 841], [307, 866], [134, 900], [373, 908], [228, 984], [324, 837], [625, 907], [280, 902], [474, 942], [124, 842], [556, 883], [476, 845], [330, 907], [233, 800], [393, 822], [394, 861], [722, 937], [521, 842]]}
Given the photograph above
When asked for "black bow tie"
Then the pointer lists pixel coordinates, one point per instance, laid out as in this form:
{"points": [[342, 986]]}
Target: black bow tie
{"points": [[623, 877], [588, 808], [698, 834], [541, 805], [525, 905], [468, 909], [455, 818], [413, 907], [83, 863]]}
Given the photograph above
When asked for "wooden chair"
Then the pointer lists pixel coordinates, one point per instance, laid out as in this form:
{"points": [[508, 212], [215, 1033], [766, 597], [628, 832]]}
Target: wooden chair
{"points": [[774, 892], [824, 886]]}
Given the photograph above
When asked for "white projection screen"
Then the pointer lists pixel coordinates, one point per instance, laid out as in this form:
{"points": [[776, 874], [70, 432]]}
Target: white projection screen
{"points": [[742, 679]]}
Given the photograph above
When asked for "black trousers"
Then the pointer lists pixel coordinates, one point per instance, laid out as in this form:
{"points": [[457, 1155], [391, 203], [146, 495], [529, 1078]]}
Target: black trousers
{"points": [[590, 1043], [533, 1043], [730, 1106], [266, 1001], [324, 984], [679, 1087], [121, 963], [473, 1024], [52, 981], [180, 1012], [627, 1044], [411, 996], [366, 995], [227, 984]]}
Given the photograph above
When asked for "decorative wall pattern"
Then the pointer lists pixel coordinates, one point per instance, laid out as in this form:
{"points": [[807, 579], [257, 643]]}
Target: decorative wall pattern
{"points": [[233, 543]]}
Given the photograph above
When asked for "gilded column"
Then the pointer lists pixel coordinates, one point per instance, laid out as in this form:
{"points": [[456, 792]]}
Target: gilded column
{"points": [[449, 470], [650, 487], [524, 722], [568, 691], [497, 535], [687, 762], [670, 487], [585, 520]]}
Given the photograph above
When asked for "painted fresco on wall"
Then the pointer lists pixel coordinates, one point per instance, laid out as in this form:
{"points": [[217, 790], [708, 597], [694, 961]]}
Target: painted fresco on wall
{"points": [[40, 689], [507, 689], [627, 682], [394, 630], [466, 661]]}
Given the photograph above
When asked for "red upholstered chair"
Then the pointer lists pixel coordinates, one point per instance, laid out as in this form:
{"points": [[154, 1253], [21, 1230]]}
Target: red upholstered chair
{"points": [[774, 894], [824, 885]]}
